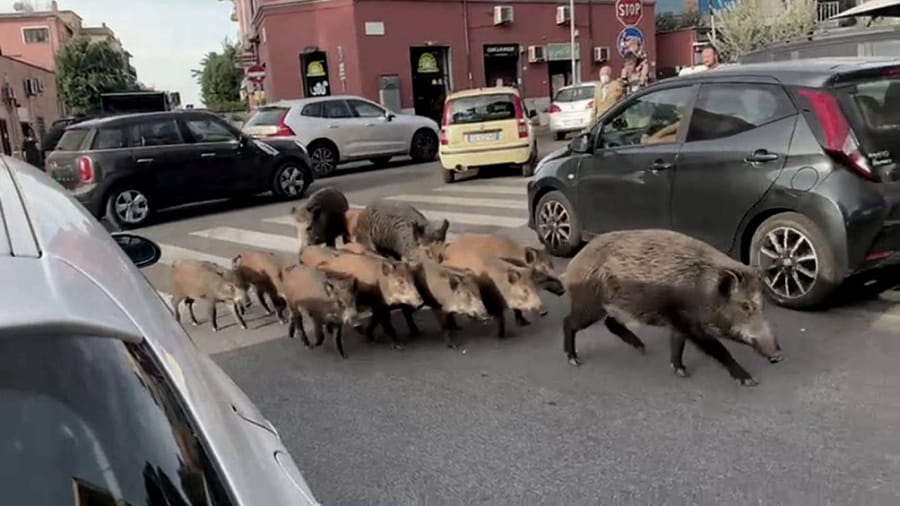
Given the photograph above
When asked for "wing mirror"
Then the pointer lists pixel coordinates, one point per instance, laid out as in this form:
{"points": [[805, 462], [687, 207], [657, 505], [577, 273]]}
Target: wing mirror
{"points": [[581, 143], [390, 116], [142, 251]]}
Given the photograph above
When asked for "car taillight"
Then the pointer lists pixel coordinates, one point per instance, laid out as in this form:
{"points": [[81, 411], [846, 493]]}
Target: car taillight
{"points": [[590, 105], [554, 108], [520, 117], [445, 120], [839, 140], [85, 169], [282, 130]]}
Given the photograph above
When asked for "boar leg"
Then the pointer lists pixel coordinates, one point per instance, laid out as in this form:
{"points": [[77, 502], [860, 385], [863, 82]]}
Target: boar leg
{"points": [[414, 330], [676, 353], [500, 318], [297, 324], [260, 295], [235, 310], [443, 320], [712, 347], [212, 315], [280, 306], [622, 332], [572, 323], [176, 306], [189, 302], [338, 331], [383, 316], [451, 322], [520, 318]]}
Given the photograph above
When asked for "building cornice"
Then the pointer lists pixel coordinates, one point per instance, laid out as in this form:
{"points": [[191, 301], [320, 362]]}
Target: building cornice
{"points": [[27, 64]]}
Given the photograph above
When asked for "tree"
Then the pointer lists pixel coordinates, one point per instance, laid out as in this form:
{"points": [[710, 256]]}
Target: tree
{"points": [[85, 69], [220, 79], [748, 25]]}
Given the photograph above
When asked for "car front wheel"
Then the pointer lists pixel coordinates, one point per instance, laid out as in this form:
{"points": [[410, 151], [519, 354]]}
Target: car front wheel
{"points": [[290, 180], [557, 225], [129, 206], [424, 146], [324, 159], [796, 263]]}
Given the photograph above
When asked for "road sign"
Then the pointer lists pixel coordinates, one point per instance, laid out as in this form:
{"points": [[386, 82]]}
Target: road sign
{"points": [[256, 73], [628, 33], [629, 12]]}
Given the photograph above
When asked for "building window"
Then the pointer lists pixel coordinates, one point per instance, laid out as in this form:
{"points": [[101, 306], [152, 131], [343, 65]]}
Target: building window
{"points": [[36, 35]]}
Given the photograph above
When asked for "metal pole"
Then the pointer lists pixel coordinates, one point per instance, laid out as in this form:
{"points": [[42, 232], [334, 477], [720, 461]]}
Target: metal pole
{"points": [[572, 39]]}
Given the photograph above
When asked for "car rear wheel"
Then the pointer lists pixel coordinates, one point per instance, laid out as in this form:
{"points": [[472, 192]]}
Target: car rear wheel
{"points": [[449, 176], [557, 225], [324, 159], [128, 206], [424, 146], [529, 166], [796, 263], [291, 180]]}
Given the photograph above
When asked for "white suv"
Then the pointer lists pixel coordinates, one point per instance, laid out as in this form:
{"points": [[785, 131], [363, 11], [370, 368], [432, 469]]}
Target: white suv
{"points": [[344, 128]]}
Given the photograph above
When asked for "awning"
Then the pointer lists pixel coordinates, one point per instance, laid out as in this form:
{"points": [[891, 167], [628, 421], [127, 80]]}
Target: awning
{"points": [[874, 8]]}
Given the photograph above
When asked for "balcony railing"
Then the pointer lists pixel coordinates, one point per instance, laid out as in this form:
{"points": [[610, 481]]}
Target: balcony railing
{"points": [[825, 10]]}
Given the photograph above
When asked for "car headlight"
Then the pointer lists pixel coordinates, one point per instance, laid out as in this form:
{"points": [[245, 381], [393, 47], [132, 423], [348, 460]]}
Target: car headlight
{"points": [[301, 146]]}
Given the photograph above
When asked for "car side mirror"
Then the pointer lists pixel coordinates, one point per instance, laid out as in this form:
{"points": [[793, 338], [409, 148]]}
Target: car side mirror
{"points": [[390, 116], [142, 251], [581, 143]]}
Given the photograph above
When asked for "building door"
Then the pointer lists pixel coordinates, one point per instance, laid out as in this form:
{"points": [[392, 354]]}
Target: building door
{"points": [[4, 138], [501, 64], [430, 80], [559, 65], [314, 71]]}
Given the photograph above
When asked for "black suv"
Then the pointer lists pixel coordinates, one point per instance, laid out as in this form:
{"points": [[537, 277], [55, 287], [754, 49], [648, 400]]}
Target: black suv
{"points": [[791, 167], [127, 167]]}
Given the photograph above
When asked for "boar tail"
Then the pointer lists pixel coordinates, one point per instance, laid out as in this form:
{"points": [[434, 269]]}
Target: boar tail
{"points": [[236, 261]]}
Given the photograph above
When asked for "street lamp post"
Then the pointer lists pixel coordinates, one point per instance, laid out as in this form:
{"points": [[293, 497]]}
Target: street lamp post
{"points": [[572, 38]]}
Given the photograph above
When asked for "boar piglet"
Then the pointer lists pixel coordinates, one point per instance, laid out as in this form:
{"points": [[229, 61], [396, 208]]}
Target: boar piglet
{"points": [[382, 284], [328, 301], [314, 256], [396, 229], [261, 270], [502, 283], [198, 280], [321, 219], [665, 278]]}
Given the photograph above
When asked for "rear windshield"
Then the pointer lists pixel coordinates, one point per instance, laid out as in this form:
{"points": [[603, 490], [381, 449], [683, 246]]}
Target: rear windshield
{"points": [[267, 116], [72, 139], [481, 108], [873, 108], [575, 94]]}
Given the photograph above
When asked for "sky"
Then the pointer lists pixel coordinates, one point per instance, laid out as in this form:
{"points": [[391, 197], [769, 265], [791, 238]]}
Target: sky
{"points": [[167, 38]]}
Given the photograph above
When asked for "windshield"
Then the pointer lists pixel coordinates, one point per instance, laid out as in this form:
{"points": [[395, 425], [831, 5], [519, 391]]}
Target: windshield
{"points": [[72, 139], [267, 116], [575, 94], [92, 421], [873, 108], [494, 107]]}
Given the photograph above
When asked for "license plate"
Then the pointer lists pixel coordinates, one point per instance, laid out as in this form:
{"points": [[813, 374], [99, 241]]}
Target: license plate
{"points": [[483, 137]]}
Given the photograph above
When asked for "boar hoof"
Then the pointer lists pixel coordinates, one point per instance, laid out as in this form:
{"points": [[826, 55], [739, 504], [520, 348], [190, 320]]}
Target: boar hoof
{"points": [[195, 324], [574, 361], [398, 347], [215, 329], [681, 372], [775, 360], [747, 382]]}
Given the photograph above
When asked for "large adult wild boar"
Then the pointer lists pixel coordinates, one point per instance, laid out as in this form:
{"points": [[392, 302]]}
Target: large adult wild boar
{"points": [[397, 230], [195, 279], [321, 219], [261, 270], [665, 278]]}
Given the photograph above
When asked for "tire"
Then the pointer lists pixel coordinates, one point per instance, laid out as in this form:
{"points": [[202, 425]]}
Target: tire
{"points": [[381, 161], [424, 146], [559, 135], [449, 176], [291, 180], [812, 261], [871, 285], [555, 239], [324, 158], [529, 166], [129, 206]]}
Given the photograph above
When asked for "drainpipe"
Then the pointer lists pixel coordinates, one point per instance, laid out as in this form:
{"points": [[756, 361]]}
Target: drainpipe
{"points": [[465, 4]]}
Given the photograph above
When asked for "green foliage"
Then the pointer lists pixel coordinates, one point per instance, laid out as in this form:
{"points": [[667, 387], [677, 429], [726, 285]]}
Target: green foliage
{"points": [[748, 25], [85, 69], [220, 79], [669, 22]]}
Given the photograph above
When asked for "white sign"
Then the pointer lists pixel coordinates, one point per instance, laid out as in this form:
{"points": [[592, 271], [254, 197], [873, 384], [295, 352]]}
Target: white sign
{"points": [[374, 28]]}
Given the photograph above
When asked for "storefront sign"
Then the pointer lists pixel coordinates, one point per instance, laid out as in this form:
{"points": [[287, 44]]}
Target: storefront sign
{"points": [[315, 69], [502, 50], [315, 74], [557, 51], [427, 64], [626, 35]]}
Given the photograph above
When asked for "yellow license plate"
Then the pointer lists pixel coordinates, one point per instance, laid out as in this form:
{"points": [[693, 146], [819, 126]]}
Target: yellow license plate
{"points": [[483, 137]]}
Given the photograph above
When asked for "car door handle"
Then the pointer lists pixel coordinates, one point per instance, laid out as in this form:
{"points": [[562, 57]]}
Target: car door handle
{"points": [[370, 124], [761, 155], [144, 160], [207, 155], [332, 126], [658, 165]]}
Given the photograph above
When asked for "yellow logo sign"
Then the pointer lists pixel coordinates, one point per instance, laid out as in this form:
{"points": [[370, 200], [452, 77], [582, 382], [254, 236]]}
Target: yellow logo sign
{"points": [[427, 64], [315, 69]]}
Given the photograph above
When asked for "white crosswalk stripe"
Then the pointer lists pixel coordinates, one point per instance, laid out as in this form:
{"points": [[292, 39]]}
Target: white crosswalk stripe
{"points": [[171, 253], [462, 201], [252, 238], [491, 189]]}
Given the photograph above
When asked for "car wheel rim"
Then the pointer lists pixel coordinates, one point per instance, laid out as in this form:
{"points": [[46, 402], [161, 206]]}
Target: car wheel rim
{"points": [[554, 224], [322, 160], [789, 262], [291, 181], [131, 206], [424, 145]]}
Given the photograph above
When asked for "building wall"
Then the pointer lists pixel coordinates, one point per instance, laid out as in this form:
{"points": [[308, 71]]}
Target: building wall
{"points": [[12, 39], [44, 106], [676, 49]]}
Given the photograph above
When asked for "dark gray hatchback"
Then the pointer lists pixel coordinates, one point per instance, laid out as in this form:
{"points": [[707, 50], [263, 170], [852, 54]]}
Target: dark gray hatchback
{"points": [[128, 167], [788, 166]]}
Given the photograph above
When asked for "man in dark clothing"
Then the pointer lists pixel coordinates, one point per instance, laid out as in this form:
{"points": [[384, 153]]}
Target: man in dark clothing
{"points": [[30, 149]]}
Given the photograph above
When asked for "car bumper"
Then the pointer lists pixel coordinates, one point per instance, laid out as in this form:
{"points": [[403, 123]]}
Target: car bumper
{"points": [[569, 122], [91, 197], [462, 159]]}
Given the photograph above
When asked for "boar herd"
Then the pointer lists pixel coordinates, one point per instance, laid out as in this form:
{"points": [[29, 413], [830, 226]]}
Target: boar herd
{"points": [[391, 257]]}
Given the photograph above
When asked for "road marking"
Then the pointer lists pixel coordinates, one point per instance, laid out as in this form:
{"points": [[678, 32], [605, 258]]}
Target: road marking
{"points": [[510, 182], [494, 188], [253, 238], [462, 201], [171, 253], [475, 219]]}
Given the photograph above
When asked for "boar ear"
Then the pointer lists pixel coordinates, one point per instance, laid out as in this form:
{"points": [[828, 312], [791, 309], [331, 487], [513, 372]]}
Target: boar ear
{"points": [[236, 262], [729, 281], [387, 268], [513, 276], [454, 281]]}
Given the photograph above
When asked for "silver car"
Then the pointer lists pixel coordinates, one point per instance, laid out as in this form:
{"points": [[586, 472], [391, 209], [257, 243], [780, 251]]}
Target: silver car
{"points": [[104, 399]]}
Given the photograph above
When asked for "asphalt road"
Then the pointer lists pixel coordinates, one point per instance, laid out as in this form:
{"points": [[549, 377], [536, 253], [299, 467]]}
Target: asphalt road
{"points": [[510, 422]]}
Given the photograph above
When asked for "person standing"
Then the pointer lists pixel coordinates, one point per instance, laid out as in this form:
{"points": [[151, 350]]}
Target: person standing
{"points": [[602, 90], [30, 149], [710, 57]]}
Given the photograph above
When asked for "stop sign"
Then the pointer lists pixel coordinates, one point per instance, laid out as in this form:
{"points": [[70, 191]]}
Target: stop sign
{"points": [[629, 12]]}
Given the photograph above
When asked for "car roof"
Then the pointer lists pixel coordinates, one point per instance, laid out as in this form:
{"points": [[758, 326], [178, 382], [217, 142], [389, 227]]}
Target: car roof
{"points": [[138, 117], [297, 102], [813, 71], [474, 92]]}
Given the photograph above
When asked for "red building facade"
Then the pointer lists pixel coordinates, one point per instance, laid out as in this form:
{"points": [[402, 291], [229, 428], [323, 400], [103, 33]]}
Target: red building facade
{"points": [[408, 53]]}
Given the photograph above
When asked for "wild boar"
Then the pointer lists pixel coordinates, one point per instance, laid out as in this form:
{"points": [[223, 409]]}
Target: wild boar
{"points": [[351, 217], [355, 247], [313, 256], [502, 282], [198, 280], [447, 291], [396, 229], [321, 219], [382, 284], [665, 278], [328, 301], [261, 270]]}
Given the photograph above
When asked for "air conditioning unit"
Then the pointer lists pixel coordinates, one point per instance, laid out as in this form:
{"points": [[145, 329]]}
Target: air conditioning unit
{"points": [[562, 14], [601, 54], [503, 14], [535, 54]]}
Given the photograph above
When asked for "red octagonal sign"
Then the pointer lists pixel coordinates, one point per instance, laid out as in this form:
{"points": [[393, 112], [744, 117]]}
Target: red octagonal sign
{"points": [[629, 12]]}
